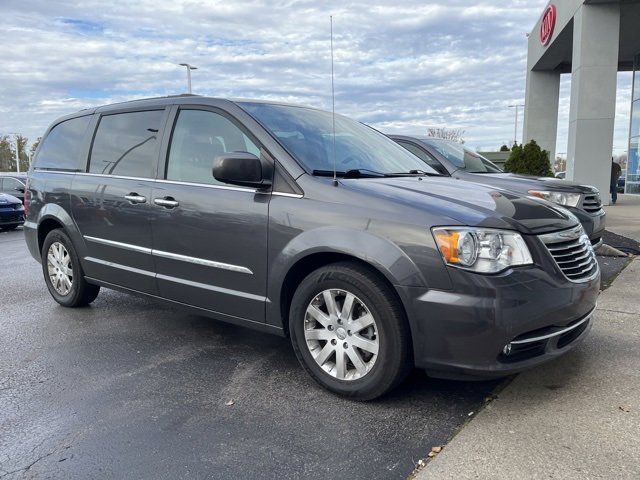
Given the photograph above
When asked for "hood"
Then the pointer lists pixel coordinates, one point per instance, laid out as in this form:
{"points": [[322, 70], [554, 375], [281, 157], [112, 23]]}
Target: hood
{"points": [[6, 199], [468, 203], [524, 183]]}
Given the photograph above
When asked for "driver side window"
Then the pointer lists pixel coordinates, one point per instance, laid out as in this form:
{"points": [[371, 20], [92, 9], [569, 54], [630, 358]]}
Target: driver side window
{"points": [[425, 157], [198, 137]]}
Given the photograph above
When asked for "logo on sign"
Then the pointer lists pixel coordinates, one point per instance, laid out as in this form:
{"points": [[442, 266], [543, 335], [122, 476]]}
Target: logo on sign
{"points": [[548, 24]]}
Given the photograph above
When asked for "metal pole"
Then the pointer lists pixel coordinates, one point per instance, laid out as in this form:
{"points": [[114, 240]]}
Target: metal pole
{"points": [[515, 133], [189, 68], [17, 155]]}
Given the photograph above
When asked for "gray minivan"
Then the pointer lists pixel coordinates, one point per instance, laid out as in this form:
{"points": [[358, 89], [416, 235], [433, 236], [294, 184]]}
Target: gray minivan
{"points": [[231, 209]]}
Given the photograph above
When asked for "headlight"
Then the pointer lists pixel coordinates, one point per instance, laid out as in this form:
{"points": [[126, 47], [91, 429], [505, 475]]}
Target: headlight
{"points": [[481, 250], [561, 198]]}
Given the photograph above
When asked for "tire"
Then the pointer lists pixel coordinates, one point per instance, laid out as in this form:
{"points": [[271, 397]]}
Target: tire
{"points": [[79, 292], [312, 333]]}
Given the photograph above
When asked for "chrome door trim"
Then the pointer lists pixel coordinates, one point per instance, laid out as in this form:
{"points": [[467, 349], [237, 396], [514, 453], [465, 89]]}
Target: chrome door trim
{"points": [[120, 266], [172, 256], [285, 194], [212, 288], [112, 243], [208, 185], [202, 261]]}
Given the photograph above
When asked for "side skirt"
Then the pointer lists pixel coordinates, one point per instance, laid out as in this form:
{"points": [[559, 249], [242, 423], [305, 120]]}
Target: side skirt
{"points": [[243, 322]]}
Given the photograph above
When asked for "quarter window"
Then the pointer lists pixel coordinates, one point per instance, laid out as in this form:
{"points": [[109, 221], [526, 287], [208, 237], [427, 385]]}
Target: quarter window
{"points": [[198, 137], [61, 148], [127, 144]]}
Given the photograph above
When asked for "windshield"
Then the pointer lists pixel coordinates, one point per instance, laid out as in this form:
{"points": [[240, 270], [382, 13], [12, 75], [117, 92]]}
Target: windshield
{"points": [[308, 135], [462, 157]]}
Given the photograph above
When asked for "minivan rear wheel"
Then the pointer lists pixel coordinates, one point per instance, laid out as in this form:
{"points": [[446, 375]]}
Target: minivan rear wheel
{"points": [[63, 273], [349, 331]]}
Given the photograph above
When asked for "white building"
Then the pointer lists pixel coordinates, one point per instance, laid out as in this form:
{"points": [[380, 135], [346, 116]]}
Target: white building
{"points": [[592, 40]]}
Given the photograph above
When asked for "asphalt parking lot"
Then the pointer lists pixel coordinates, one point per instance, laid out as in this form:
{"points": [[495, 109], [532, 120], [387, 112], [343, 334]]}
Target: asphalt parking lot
{"points": [[129, 388]]}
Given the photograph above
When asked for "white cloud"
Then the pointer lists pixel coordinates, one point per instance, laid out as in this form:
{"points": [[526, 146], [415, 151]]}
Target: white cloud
{"points": [[401, 66]]}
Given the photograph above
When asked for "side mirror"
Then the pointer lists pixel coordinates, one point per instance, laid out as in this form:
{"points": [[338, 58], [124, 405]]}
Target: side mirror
{"points": [[240, 168], [19, 189]]}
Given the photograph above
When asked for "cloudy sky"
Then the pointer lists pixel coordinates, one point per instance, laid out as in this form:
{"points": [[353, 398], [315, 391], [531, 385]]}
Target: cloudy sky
{"points": [[401, 66]]}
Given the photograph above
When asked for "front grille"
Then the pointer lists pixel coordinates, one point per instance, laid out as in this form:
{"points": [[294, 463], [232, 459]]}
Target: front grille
{"points": [[16, 217], [592, 203], [573, 253]]}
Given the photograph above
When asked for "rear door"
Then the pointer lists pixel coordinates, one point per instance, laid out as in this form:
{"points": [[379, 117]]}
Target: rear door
{"points": [[111, 202], [209, 238]]}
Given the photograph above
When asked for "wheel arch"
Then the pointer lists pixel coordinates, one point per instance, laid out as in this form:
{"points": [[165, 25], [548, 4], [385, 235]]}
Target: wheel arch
{"points": [[325, 246]]}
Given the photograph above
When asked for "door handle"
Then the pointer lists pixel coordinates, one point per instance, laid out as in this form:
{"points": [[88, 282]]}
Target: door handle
{"points": [[166, 202], [134, 198]]}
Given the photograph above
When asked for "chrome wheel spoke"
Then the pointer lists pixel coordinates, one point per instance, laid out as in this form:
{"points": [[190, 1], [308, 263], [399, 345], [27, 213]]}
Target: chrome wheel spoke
{"points": [[318, 334], [341, 364], [356, 359], [341, 334], [318, 316], [330, 303], [365, 344], [60, 268], [347, 307], [324, 354], [361, 323]]}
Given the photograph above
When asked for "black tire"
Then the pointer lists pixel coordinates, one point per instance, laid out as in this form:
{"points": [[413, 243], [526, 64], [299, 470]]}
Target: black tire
{"points": [[81, 292], [394, 359]]}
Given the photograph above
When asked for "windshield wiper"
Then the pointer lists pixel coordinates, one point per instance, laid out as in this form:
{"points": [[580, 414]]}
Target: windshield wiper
{"points": [[353, 173], [412, 173]]}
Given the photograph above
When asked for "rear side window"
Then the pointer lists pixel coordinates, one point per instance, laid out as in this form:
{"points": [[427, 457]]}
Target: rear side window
{"points": [[61, 148], [127, 144]]}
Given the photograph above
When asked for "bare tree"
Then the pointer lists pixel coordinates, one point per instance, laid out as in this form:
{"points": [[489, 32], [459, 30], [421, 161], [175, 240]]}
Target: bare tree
{"points": [[454, 134]]}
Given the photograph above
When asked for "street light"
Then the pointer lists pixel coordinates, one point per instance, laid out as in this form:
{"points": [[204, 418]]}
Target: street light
{"points": [[515, 134], [189, 68], [16, 135]]}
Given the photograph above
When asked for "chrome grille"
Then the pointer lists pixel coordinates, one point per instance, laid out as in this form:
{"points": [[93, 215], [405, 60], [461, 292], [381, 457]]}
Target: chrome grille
{"points": [[573, 253], [592, 203]]}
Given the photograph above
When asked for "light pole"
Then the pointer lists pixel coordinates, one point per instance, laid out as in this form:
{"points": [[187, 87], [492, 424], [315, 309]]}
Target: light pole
{"points": [[189, 68], [15, 135], [515, 134]]}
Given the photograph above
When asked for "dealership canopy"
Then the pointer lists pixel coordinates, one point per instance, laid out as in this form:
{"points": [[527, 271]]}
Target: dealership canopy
{"points": [[592, 40]]}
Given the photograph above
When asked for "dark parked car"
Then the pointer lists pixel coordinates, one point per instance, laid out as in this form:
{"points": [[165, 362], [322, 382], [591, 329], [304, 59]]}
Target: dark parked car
{"points": [[13, 184], [11, 212], [454, 159], [230, 209]]}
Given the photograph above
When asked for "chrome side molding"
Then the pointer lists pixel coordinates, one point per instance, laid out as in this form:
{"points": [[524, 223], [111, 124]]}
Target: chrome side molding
{"points": [[172, 256]]}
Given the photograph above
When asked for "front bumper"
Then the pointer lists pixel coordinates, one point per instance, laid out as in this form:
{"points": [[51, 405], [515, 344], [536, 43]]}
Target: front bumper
{"points": [[593, 224], [463, 333], [11, 217]]}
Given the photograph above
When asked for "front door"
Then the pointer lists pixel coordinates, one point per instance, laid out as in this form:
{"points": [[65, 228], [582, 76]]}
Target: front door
{"points": [[209, 238], [111, 202]]}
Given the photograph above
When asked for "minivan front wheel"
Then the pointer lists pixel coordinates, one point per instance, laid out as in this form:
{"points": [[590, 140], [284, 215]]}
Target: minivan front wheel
{"points": [[62, 272], [349, 332]]}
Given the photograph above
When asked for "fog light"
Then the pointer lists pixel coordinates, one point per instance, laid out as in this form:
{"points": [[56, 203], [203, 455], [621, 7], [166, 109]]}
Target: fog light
{"points": [[507, 349]]}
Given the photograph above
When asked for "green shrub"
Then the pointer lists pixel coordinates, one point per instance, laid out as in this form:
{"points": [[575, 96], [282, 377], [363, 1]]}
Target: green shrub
{"points": [[529, 159]]}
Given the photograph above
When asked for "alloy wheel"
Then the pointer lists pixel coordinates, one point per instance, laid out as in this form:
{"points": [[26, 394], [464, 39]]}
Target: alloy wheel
{"points": [[341, 334], [60, 268]]}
